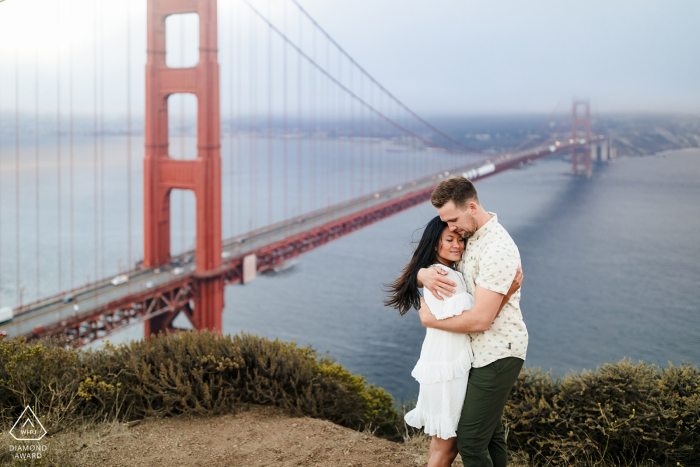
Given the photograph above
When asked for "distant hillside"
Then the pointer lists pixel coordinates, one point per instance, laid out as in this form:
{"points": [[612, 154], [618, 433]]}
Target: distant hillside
{"points": [[631, 134], [650, 134]]}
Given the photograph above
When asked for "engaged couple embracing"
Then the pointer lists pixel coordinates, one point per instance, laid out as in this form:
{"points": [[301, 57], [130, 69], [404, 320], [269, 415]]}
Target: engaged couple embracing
{"points": [[476, 340]]}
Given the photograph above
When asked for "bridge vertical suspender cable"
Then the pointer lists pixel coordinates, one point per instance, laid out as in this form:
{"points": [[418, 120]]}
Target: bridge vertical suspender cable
{"points": [[94, 137], [18, 290], [382, 172], [299, 126], [340, 144], [239, 118], [58, 138], [251, 157], [128, 133], [230, 119], [371, 141], [269, 118], [284, 112], [311, 119], [36, 141], [181, 98], [352, 141], [253, 126], [329, 116], [413, 152], [362, 141], [70, 137], [102, 141]]}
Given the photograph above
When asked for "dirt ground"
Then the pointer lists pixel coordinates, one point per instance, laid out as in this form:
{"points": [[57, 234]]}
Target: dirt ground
{"points": [[256, 436]]}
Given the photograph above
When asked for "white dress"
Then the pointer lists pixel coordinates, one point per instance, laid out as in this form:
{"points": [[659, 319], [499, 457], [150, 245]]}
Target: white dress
{"points": [[443, 367]]}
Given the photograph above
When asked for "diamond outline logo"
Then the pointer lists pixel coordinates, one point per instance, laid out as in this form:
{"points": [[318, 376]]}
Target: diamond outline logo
{"points": [[28, 420]]}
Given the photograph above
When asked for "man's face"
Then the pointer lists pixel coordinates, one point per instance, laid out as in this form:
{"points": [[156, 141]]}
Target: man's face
{"points": [[461, 222]]}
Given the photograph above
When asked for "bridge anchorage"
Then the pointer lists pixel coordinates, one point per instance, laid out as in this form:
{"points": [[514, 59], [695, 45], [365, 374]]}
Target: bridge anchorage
{"points": [[398, 168]]}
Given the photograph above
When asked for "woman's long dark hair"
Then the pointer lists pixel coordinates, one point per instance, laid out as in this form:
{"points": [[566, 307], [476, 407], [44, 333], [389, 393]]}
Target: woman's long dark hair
{"points": [[403, 293]]}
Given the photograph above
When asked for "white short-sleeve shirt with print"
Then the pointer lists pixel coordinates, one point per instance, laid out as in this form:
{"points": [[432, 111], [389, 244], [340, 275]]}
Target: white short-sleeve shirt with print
{"points": [[490, 260]]}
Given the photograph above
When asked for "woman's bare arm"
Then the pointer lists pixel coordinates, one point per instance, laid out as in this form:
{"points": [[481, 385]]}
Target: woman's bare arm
{"points": [[517, 282]]}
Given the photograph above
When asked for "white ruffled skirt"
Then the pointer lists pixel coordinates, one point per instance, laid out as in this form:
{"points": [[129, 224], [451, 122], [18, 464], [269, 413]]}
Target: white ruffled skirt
{"points": [[443, 387], [442, 370]]}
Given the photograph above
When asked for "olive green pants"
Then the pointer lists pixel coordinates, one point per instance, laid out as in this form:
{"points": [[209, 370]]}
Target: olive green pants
{"points": [[481, 438]]}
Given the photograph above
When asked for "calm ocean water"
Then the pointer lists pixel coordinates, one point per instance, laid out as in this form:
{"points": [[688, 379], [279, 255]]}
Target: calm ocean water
{"points": [[611, 263]]}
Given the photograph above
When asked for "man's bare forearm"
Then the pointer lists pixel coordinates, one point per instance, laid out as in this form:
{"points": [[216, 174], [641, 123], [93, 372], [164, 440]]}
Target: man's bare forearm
{"points": [[419, 284], [470, 321], [477, 319]]}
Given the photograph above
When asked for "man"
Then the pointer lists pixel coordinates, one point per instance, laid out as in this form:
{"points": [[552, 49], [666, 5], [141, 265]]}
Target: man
{"points": [[499, 340]]}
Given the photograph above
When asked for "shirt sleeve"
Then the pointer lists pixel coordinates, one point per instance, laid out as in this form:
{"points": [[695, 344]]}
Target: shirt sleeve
{"points": [[497, 267]]}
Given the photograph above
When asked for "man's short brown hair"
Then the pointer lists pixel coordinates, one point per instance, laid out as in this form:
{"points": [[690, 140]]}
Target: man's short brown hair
{"points": [[457, 189]]}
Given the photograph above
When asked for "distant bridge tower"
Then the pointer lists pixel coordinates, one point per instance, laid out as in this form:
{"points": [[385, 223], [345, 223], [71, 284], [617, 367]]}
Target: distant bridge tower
{"points": [[581, 154], [202, 175]]}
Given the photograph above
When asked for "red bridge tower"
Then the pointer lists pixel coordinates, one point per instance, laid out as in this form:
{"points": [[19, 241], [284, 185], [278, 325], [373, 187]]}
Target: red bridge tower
{"points": [[579, 154], [202, 175]]}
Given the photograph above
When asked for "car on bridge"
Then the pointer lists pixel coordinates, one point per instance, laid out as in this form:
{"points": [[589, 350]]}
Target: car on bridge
{"points": [[6, 314], [120, 279], [68, 299], [177, 271]]}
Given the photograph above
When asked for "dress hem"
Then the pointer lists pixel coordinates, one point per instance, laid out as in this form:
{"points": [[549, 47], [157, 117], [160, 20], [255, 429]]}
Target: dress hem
{"points": [[433, 426]]}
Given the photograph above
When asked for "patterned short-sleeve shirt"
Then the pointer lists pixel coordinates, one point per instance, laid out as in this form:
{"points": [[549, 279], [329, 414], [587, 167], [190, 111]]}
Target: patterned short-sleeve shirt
{"points": [[491, 260]]}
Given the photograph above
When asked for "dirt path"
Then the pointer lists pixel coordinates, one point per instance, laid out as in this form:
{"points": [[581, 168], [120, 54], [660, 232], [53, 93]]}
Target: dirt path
{"points": [[259, 436]]}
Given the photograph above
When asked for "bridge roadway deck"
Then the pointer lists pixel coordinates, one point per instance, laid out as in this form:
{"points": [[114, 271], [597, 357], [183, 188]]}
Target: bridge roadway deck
{"points": [[95, 298]]}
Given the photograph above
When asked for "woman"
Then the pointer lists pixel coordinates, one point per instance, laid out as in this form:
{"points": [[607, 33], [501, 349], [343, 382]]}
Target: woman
{"points": [[445, 360]]}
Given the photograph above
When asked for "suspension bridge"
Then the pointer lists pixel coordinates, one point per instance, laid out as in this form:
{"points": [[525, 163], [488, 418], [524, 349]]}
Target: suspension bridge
{"points": [[293, 145]]}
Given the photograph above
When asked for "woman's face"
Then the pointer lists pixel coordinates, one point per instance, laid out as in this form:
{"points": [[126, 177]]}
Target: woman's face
{"points": [[451, 246]]}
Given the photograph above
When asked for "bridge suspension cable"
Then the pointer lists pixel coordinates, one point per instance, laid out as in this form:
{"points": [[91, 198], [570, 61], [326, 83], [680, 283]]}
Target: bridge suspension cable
{"points": [[316, 135], [376, 83]]}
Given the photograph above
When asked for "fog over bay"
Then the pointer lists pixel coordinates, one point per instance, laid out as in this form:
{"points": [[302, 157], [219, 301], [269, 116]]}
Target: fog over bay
{"points": [[446, 57]]}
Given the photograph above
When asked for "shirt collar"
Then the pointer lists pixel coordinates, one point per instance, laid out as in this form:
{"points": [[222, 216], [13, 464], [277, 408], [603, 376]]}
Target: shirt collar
{"points": [[486, 227]]}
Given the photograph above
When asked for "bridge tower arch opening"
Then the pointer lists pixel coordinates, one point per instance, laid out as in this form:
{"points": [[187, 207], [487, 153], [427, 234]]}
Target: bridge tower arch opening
{"points": [[581, 155], [202, 175]]}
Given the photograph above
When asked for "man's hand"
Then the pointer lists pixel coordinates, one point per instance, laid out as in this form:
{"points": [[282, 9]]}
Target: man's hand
{"points": [[427, 319], [433, 280]]}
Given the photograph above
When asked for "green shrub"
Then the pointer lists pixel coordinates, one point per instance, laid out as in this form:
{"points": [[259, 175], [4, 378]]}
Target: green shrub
{"points": [[43, 375], [184, 373], [622, 413]]}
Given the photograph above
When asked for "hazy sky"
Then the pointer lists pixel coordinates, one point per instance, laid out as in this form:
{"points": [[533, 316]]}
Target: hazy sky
{"points": [[438, 57], [514, 55]]}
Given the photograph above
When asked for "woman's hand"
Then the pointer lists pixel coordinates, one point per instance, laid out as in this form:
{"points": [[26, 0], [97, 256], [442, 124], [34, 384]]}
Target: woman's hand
{"points": [[427, 319], [517, 282], [433, 280]]}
